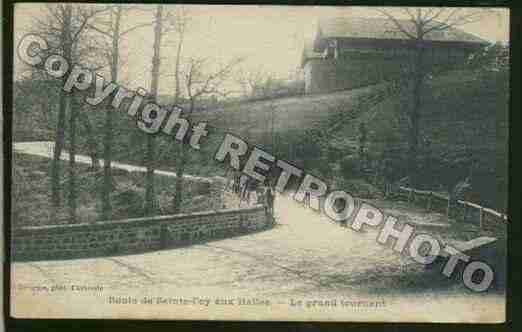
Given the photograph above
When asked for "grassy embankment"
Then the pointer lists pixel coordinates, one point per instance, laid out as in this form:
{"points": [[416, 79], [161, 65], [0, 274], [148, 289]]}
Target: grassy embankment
{"points": [[31, 193], [463, 117]]}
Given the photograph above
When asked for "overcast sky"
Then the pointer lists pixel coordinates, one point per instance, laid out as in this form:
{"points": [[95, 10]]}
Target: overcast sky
{"points": [[269, 37]]}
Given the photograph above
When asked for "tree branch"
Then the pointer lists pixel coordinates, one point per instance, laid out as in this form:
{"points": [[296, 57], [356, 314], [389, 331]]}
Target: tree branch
{"points": [[86, 18], [473, 17], [134, 28], [434, 17], [106, 33], [396, 23], [412, 17]]}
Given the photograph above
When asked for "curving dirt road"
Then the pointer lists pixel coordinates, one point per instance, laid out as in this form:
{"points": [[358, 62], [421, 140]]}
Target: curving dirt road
{"points": [[304, 257]]}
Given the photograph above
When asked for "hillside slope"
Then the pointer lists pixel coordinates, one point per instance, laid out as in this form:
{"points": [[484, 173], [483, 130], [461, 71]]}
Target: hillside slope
{"points": [[464, 117], [287, 114], [464, 121]]}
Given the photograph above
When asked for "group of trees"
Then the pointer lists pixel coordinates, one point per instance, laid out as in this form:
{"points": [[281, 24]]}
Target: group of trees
{"points": [[64, 29], [414, 153], [92, 35], [418, 25], [487, 70]]}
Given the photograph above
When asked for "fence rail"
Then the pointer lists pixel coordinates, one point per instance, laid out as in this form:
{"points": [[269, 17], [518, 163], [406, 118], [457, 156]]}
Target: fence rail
{"points": [[485, 215]]}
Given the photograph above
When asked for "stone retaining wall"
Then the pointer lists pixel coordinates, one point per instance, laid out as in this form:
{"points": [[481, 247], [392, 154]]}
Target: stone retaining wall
{"points": [[133, 235]]}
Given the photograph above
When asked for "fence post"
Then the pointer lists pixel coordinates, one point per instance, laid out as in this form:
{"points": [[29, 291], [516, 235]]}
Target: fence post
{"points": [[481, 218], [430, 196], [410, 196], [448, 208], [163, 236]]}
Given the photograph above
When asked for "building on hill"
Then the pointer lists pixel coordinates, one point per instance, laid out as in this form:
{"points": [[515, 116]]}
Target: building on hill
{"points": [[351, 52]]}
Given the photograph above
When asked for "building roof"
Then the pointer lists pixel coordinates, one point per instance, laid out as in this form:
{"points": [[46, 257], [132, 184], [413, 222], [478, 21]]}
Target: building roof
{"points": [[377, 28], [383, 28]]}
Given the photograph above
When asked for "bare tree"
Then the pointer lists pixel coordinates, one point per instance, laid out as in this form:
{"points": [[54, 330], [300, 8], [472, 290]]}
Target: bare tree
{"points": [[110, 27], [255, 83], [419, 24], [62, 27], [149, 158], [178, 20], [200, 81]]}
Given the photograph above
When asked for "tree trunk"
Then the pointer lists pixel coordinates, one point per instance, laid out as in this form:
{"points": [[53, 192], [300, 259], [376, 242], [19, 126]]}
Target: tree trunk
{"points": [[91, 140], [180, 151], [149, 176], [68, 54], [107, 176], [58, 147], [149, 161], [108, 135], [176, 73], [72, 162], [64, 104], [272, 130], [180, 170], [413, 135]]}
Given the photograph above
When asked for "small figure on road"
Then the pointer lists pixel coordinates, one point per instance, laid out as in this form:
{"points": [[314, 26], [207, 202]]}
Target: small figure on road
{"points": [[306, 200], [243, 187], [251, 191], [269, 197]]}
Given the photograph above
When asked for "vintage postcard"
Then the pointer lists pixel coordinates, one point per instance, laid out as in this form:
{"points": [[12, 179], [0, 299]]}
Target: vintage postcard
{"points": [[280, 163]]}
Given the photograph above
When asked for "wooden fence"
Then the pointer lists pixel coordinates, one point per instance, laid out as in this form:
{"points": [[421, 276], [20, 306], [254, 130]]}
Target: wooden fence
{"points": [[488, 219]]}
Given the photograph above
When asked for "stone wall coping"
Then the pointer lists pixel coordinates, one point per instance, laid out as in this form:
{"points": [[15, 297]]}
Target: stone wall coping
{"points": [[146, 221]]}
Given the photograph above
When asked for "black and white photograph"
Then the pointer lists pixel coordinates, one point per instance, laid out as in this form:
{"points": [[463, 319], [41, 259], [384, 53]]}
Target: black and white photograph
{"points": [[259, 162]]}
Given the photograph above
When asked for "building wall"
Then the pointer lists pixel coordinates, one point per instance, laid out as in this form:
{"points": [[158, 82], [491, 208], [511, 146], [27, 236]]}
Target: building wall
{"points": [[327, 75], [361, 66], [308, 78], [133, 235]]}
